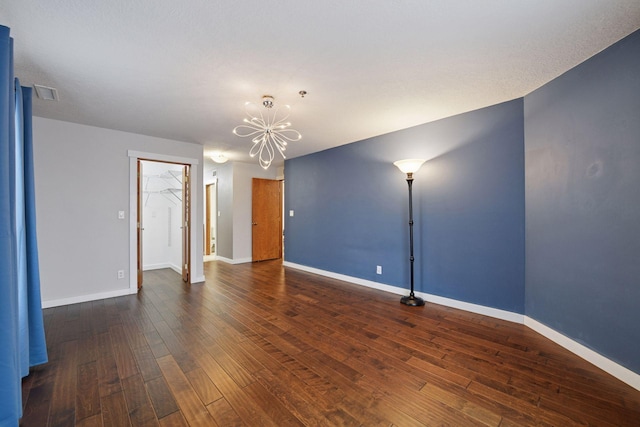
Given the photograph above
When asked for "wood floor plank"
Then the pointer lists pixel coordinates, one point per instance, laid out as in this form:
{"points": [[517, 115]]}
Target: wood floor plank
{"points": [[203, 386], [270, 404], [224, 414], [139, 405], [233, 393], [63, 400], [187, 399], [38, 403], [88, 391], [161, 397], [94, 421], [295, 395], [114, 411], [174, 420], [122, 352], [260, 344]]}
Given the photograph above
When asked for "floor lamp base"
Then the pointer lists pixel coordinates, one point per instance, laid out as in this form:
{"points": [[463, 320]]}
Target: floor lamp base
{"points": [[412, 301]]}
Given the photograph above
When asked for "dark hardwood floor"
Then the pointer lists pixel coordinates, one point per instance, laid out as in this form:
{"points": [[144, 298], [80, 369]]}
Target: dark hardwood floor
{"points": [[262, 345]]}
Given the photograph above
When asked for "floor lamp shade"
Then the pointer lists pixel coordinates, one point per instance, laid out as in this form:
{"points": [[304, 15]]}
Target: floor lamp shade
{"points": [[410, 166]]}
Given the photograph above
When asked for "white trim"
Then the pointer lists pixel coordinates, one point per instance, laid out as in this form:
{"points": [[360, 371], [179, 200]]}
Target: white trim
{"points": [[86, 298], [497, 313], [620, 372], [173, 267], [134, 156], [474, 308], [157, 267], [161, 157], [234, 261]]}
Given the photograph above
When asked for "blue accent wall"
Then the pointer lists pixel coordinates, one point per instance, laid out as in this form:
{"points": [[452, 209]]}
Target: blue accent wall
{"points": [[350, 208], [582, 143]]}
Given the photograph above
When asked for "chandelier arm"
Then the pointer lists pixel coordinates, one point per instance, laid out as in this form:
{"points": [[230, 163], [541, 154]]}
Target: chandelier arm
{"points": [[255, 128], [248, 105], [279, 139], [265, 153], [256, 148], [256, 121], [260, 139], [286, 114], [270, 150], [280, 145], [283, 134], [237, 131]]}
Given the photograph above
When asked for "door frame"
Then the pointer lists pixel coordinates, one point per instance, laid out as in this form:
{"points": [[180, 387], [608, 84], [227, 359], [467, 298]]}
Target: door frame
{"points": [[194, 248], [210, 199]]}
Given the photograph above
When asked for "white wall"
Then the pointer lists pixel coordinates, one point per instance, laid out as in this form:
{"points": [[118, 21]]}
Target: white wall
{"points": [[234, 204], [224, 248], [82, 179], [243, 173]]}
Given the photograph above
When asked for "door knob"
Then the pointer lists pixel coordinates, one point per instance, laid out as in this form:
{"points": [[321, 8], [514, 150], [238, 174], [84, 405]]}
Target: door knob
{"points": [[254, 223]]}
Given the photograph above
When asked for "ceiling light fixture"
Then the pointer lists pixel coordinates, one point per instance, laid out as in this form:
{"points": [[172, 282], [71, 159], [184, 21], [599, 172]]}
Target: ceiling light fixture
{"points": [[218, 157], [269, 132]]}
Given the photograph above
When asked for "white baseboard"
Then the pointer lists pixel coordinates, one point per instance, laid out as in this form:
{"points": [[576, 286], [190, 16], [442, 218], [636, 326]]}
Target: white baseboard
{"points": [[198, 279], [174, 267], [474, 308], [85, 298], [234, 261], [150, 267], [623, 374], [607, 365]]}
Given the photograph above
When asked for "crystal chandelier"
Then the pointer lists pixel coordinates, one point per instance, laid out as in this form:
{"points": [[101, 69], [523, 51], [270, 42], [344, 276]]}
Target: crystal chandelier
{"points": [[269, 132]]}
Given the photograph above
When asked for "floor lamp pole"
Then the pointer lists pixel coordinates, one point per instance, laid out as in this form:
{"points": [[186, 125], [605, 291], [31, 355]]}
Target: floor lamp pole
{"points": [[410, 166], [411, 300]]}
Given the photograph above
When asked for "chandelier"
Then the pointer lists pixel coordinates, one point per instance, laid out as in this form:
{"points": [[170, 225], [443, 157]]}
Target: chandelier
{"points": [[269, 132]]}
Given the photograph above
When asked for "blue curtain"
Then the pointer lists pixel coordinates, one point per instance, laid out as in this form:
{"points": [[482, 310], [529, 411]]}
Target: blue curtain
{"points": [[22, 340]]}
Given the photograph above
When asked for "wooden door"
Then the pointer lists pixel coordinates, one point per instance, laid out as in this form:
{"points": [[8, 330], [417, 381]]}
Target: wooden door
{"points": [[186, 223], [139, 225], [266, 223]]}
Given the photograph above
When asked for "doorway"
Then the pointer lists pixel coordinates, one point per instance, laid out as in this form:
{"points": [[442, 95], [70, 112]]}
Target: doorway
{"points": [[187, 216], [164, 204], [211, 223]]}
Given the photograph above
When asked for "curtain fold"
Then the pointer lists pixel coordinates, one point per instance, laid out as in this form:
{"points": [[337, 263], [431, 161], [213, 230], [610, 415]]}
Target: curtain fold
{"points": [[37, 343], [22, 341]]}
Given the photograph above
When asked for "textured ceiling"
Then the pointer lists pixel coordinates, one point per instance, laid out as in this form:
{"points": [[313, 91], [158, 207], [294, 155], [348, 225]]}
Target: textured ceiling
{"points": [[183, 70]]}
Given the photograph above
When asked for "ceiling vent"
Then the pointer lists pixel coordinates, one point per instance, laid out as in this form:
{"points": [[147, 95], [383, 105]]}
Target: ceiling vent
{"points": [[46, 93]]}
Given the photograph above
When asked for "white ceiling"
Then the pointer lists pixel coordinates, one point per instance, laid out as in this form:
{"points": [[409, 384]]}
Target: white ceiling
{"points": [[184, 69]]}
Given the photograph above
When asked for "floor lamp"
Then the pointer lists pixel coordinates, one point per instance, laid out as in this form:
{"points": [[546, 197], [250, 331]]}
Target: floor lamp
{"points": [[410, 166]]}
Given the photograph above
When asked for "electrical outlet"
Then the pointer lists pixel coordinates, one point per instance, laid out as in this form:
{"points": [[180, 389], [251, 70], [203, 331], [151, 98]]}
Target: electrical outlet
{"points": [[378, 269], [120, 274]]}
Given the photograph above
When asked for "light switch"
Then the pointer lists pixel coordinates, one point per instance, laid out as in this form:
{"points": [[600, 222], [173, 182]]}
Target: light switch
{"points": [[291, 212], [120, 214]]}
